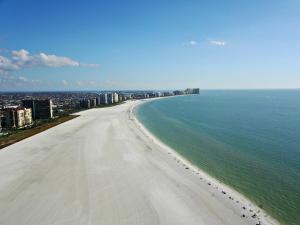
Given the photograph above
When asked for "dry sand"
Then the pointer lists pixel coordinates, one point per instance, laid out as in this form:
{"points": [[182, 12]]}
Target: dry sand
{"points": [[105, 168]]}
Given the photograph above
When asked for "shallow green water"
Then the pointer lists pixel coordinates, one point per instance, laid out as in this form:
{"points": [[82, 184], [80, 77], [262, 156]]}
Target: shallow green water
{"points": [[250, 140]]}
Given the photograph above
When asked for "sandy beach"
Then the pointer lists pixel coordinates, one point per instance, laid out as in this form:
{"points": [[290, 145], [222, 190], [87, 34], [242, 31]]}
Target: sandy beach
{"points": [[105, 168]]}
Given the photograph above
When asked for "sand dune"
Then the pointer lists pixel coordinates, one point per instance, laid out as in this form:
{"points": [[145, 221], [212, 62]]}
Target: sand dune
{"points": [[105, 168]]}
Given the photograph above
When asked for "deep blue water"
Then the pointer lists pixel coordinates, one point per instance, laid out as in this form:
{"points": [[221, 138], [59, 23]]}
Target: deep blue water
{"points": [[250, 140]]}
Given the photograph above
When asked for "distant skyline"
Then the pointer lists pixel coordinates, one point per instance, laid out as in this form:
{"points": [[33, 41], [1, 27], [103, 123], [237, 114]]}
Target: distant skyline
{"points": [[158, 44]]}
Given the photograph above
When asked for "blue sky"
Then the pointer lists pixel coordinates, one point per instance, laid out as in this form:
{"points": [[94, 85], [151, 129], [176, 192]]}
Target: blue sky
{"points": [[155, 44]]}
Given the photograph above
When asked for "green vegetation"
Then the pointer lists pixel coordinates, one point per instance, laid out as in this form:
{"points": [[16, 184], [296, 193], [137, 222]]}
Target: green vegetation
{"points": [[39, 126]]}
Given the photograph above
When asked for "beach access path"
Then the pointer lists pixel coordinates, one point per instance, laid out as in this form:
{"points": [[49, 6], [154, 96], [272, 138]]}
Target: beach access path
{"points": [[101, 168]]}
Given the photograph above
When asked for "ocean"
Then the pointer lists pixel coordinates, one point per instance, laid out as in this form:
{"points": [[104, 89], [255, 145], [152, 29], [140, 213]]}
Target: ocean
{"points": [[248, 139]]}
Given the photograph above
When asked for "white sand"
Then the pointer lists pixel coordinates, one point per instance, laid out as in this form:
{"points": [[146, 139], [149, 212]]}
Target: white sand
{"points": [[105, 168]]}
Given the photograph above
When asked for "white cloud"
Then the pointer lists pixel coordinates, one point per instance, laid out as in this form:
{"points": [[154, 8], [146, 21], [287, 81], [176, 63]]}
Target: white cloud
{"points": [[7, 65], [8, 81], [191, 43], [218, 42], [22, 59], [21, 78], [65, 83], [54, 61]]}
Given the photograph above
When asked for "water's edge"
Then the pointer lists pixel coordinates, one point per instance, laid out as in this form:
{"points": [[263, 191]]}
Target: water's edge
{"points": [[265, 217]]}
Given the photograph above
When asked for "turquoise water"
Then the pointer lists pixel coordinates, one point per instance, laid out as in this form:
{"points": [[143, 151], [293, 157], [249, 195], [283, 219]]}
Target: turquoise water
{"points": [[250, 140]]}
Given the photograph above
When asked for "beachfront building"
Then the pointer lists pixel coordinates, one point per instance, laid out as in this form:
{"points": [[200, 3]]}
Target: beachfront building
{"points": [[121, 98], [1, 119], [139, 95], [85, 103], [116, 97], [41, 109], [110, 98], [93, 102], [103, 98], [127, 96], [177, 92], [28, 116], [98, 100], [196, 91], [168, 93], [158, 94], [188, 91], [151, 95], [16, 117]]}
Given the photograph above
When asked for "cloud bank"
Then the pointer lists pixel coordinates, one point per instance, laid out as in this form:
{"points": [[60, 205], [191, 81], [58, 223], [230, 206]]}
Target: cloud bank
{"points": [[8, 81], [23, 59]]}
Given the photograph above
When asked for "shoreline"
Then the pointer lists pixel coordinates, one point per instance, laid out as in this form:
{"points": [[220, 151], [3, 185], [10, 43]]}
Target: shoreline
{"points": [[107, 169], [247, 207]]}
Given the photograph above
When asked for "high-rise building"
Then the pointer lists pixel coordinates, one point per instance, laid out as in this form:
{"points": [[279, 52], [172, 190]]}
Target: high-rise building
{"points": [[28, 116], [85, 103], [127, 96], [188, 91], [93, 102], [98, 100], [116, 97], [1, 121], [196, 91], [168, 93], [158, 94], [16, 117], [9, 118], [178, 92], [103, 98], [41, 109], [151, 94], [110, 98]]}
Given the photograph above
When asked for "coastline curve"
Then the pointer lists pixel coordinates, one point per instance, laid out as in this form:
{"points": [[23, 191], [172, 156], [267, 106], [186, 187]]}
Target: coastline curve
{"points": [[238, 199]]}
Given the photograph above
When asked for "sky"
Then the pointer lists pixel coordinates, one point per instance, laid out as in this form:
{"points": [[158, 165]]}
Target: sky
{"points": [[149, 44]]}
